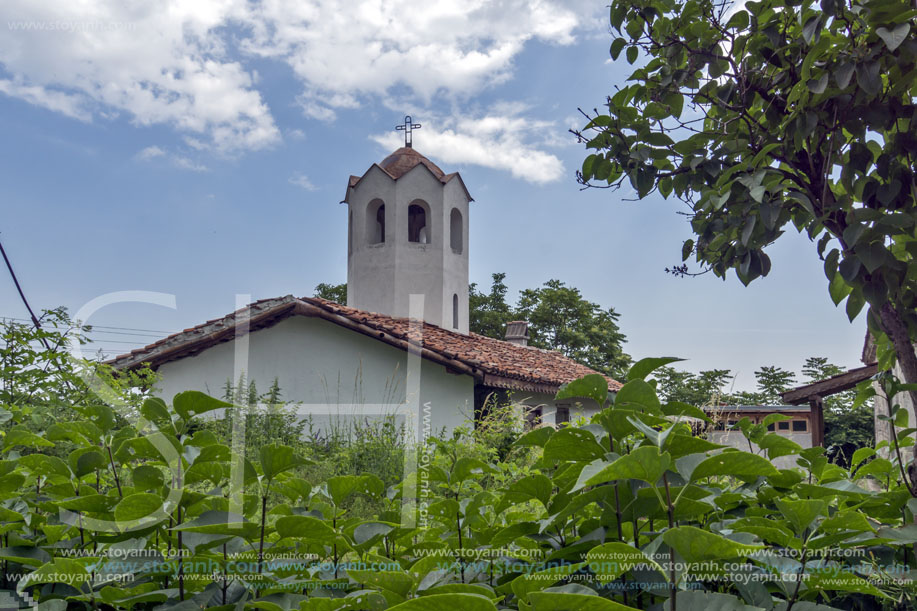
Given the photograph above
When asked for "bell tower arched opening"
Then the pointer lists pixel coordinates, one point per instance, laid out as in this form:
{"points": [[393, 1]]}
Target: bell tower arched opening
{"points": [[418, 227]]}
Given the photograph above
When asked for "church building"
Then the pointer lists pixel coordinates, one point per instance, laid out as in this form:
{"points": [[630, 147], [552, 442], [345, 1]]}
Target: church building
{"points": [[401, 345]]}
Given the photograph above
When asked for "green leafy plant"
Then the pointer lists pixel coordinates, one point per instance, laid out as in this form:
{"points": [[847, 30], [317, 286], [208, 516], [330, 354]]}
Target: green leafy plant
{"points": [[630, 510]]}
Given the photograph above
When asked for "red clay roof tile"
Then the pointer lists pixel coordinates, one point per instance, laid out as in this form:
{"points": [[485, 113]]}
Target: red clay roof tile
{"points": [[509, 365]]}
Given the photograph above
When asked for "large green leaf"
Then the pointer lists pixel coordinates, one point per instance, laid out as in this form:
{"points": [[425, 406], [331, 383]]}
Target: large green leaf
{"points": [[572, 444], [895, 36], [341, 487], [147, 477], [639, 396], [536, 437], [87, 460], [451, 602], [193, 403], [21, 436], [30, 556], [305, 527], [712, 601], [524, 585], [535, 486], [644, 367], [677, 408], [60, 570], [646, 464], [42, 464], [216, 522], [276, 458], [156, 411], [611, 560], [93, 503], [592, 386], [565, 601], [369, 531], [512, 532], [801, 513], [737, 464], [11, 483], [698, 545], [683, 445], [141, 505], [101, 416], [397, 582], [778, 445], [468, 467]]}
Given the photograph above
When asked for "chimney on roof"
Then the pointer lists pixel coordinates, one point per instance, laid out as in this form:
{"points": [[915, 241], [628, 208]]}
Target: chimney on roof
{"points": [[517, 332]]}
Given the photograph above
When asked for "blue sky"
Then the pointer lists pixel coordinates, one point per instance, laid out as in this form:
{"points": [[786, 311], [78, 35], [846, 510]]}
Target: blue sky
{"points": [[201, 150]]}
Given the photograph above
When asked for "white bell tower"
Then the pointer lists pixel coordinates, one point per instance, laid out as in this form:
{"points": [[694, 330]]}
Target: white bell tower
{"points": [[408, 234]]}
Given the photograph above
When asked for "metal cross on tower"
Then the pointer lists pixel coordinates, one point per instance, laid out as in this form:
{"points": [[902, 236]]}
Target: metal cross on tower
{"points": [[406, 128]]}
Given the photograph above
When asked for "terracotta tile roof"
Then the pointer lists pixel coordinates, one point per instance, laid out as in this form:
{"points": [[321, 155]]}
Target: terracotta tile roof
{"points": [[491, 361]]}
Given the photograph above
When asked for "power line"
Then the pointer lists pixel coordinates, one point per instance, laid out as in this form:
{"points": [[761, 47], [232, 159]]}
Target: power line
{"points": [[35, 322], [159, 333]]}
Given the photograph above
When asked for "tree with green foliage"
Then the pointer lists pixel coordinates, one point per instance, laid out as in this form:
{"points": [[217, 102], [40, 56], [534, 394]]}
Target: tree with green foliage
{"points": [[561, 319], [707, 388], [771, 114], [772, 382], [40, 381], [488, 312], [332, 292]]}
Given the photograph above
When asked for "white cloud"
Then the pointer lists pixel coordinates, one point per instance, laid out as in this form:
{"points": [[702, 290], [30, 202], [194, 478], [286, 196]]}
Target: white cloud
{"points": [[180, 161], [187, 164], [301, 180], [150, 152], [187, 65], [502, 140], [344, 51], [161, 63], [71, 105]]}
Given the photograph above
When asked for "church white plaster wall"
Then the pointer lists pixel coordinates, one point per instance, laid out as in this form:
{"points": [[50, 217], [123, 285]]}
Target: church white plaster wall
{"points": [[318, 362]]}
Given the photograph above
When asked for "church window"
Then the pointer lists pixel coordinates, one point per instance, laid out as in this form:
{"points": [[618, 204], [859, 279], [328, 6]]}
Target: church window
{"points": [[455, 231], [375, 222], [455, 312], [417, 224], [533, 417]]}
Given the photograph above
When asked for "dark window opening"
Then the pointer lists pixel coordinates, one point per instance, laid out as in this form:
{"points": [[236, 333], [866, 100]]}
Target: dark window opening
{"points": [[783, 425], [770, 427], [799, 426], [455, 312], [455, 231], [533, 417], [375, 222], [417, 225], [562, 416]]}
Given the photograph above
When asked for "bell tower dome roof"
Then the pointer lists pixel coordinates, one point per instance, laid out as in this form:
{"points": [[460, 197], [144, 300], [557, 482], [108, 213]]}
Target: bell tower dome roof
{"points": [[404, 159]]}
